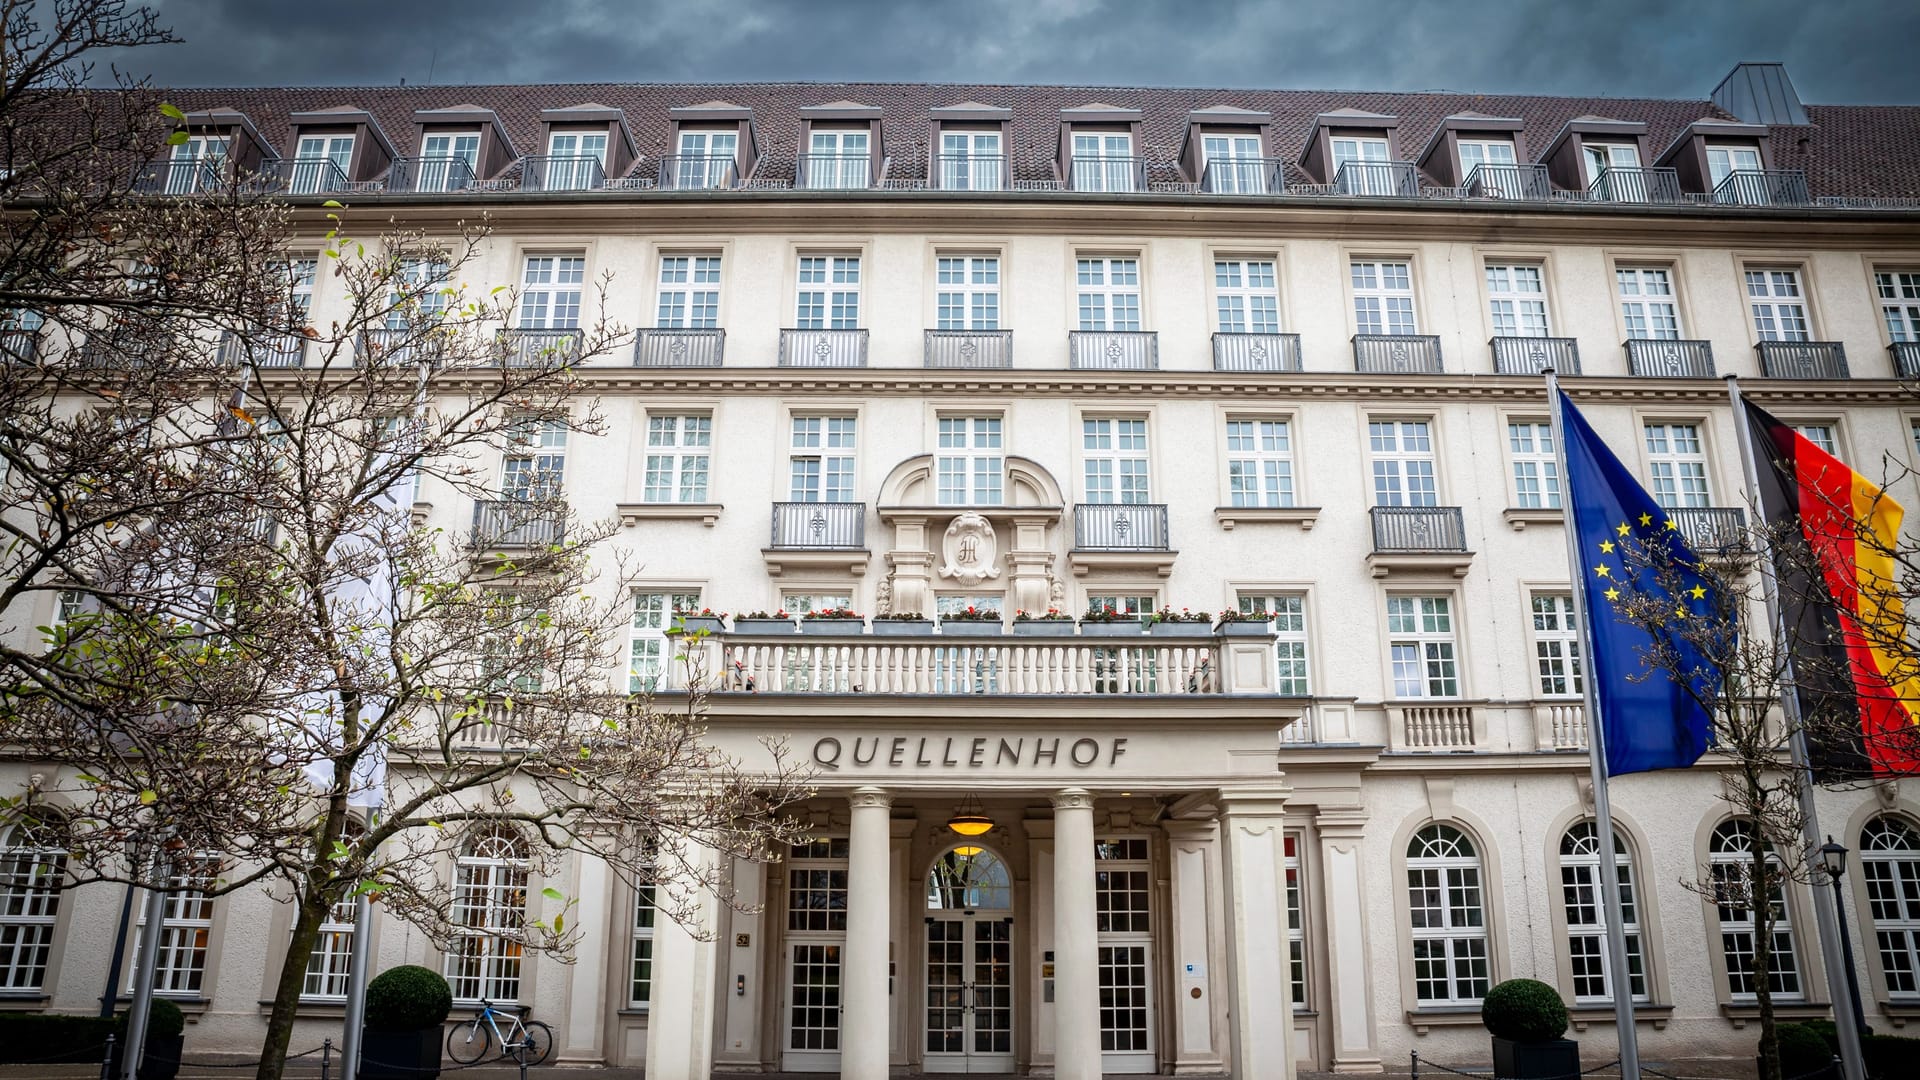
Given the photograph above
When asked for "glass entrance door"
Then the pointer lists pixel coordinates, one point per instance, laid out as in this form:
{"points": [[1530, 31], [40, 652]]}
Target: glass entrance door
{"points": [[968, 1020]]}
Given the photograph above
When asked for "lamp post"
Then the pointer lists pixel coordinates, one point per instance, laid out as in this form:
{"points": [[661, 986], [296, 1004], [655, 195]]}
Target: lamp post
{"points": [[1833, 859]]}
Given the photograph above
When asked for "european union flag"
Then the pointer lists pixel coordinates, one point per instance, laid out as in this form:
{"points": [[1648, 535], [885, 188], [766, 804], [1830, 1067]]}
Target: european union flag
{"points": [[1647, 718]]}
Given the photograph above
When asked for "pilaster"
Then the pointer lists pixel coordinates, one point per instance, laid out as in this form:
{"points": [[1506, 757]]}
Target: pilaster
{"points": [[1259, 982], [1199, 1023], [1343, 913], [680, 1013]]}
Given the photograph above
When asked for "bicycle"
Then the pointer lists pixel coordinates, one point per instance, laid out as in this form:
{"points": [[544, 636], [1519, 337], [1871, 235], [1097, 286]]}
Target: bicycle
{"points": [[470, 1041]]}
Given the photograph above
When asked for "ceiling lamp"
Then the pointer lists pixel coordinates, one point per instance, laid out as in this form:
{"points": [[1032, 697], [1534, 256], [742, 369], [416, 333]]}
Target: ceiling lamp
{"points": [[970, 819], [968, 851]]}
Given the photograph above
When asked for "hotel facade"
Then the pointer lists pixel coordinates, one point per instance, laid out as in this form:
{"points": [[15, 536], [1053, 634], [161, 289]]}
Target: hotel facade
{"points": [[917, 348]]}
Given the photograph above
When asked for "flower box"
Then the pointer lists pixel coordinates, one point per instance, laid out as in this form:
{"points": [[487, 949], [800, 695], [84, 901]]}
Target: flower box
{"points": [[970, 627], [1181, 629], [697, 624], [902, 627], [744, 625], [841, 627], [1245, 628], [1043, 628], [1123, 628]]}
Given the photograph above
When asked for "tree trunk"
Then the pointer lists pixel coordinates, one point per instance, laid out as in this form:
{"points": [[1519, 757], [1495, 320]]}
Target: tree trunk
{"points": [[1762, 901], [308, 914]]}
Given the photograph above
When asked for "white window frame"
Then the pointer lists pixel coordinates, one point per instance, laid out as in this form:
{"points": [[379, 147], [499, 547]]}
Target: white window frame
{"points": [[436, 148], [1730, 867], [649, 649], [971, 160], [1365, 151], [800, 603], [1292, 646], [839, 158], [1293, 843], [1447, 900], [1597, 156], [1260, 461], [1534, 465], [1233, 163], [1485, 151], [330, 963], [1517, 299], [1890, 867], [688, 297], [1107, 292], [826, 292], [970, 464], [578, 144], [817, 866], [1423, 646], [1649, 303], [337, 149], [1899, 294], [1124, 943], [486, 920], [1405, 464], [967, 296], [186, 930], [1557, 665], [679, 457], [208, 150], [1383, 299], [1580, 902], [821, 452], [546, 300], [1824, 435], [33, 875], [1103, 161], [714, 164], [1115, 460], [1677, 463], [640, 969], [1723, 160], [534, 467], [1246, 295], [1777, 304]]}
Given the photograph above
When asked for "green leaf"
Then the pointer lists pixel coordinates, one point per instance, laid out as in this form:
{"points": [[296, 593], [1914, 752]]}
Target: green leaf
{"points": [[559, 923], [553, 894], [172, 111], [369, 888], [333, 204], [148, 797], [178, 138]]}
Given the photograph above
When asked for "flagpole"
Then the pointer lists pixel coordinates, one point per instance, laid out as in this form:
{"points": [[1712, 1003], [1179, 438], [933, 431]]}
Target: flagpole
{"points": [[1826, 912], [1620, 980]]}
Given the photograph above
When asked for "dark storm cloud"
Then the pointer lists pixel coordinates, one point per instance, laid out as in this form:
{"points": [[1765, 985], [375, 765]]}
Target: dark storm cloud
{"points": [[1839, 51]]}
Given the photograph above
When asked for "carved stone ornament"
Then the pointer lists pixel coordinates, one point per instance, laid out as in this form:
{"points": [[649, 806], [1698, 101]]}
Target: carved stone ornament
{"points": [[883, 599], [969, 550]]}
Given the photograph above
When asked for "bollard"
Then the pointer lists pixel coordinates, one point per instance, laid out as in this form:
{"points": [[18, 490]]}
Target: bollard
{"points": [[1416, 1065], [326, 1058], [106, 1063]]}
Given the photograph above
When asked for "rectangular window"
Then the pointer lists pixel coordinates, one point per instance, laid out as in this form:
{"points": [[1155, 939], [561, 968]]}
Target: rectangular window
{"points": [[1124, 604], [640, 985], [971, 161], [648, 650], [1646, 302], [821, 459], [828, 297], [1383, 297], [1599, 157], [300, 276], [199, 164], [1233, 165], [678, 446], [969, 466], [1296, 933], [550, 292], [1820, 435], [1899, 293], [1484, 152], [1103, 162], [801, 603], [331, 961], [320, 162], [1517, 298], [1362, 179], [1123, 909], [1536, 470], [1403, 463], [535, 467], [689, 292], [1724, 161], [1679, 465], [419, 294], [1779, 308], [706, 159], [1556, 645], [448, 161], [1420, 642], [838, 159], [1109, 293], [1259, 463], [1115, 458], [186, 930], [1289, 625], [969, 293], [1247, 296], [33, 876]]}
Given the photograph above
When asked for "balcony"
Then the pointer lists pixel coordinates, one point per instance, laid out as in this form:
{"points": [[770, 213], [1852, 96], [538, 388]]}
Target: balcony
{"points": [[1127, 536], [1711, 530], [430, 174], [304, 176], [969, 349], [1906, 359], [398, 346], [1509, 182], [1244, 176], [269, 351], [679, 347], [562, 172], [1533, 355], [692, 172], [1763, 187], [20, 345], [1634, 184], [525, 348], [1442, 727], [1114, 350], [1256, 352], [1802, 359], [823, 348], [816, 526], [834, 172], [971, 172], [1396, 354], [180, 177], [1418, 538], [1377, 178], [518, 523], [1666, 358], [1108, 173]]}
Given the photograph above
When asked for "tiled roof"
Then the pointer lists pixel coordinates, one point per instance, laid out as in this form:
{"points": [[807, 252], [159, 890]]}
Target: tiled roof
{"points": [[1847, 150]]}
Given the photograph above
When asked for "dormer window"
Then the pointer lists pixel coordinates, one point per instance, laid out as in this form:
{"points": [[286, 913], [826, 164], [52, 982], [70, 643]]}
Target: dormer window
{"points": [[1599, 157], [1369, 173], [576, 161], [199, 164], [707, 159], [448, 161], [1724, 162], [1103, 161], [971, 161], [1233, 164], [838, 159], [1474, 152], [320, 163]]}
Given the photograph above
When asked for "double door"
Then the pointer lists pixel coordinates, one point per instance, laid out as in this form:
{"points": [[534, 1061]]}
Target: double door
{"points": [[968, 1020]]}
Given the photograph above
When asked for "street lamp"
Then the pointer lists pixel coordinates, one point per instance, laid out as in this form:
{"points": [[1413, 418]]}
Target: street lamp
{"points": [[1833, 859]]}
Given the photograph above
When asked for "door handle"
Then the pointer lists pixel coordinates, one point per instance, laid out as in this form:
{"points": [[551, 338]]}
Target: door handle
{"points": [[969, 1005]]}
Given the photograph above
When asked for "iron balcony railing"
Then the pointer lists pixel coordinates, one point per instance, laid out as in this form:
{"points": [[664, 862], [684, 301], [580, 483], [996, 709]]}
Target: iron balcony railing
{"points": [[1244, 176], [1399, 529], [400, 346], [1802, 359], [1396, 178], [518, 523], [823, 348], [1906, 359], [1533, 355], [1108, 173], [1636, 184], [972, 172], [1120, 527], [1711, 529], [1256, 352], [1493, 181], [131, 345], [562, 172], [180, 177], [834, 171], [1397, 354], [1763, 187], [268, 351], [670, 347], [19, 345], [1114, 350], [557, 346], [1668, 358], [429, 174], [687, 172], [969, 349], [304, 176], [819, 526]]}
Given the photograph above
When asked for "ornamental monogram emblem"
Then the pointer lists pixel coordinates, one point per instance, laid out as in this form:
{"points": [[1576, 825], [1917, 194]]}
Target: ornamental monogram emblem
{"points": [[969, 550]]}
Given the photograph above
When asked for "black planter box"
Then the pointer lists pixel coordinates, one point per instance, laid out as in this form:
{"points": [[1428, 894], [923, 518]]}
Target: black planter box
{"points": [[401, 1055], [161, 1060], [1535, 1060]]}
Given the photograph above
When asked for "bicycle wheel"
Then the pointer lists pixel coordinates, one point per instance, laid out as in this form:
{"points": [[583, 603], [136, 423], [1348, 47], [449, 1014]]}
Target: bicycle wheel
{"points": [[469, 1042], [536, 1043]]}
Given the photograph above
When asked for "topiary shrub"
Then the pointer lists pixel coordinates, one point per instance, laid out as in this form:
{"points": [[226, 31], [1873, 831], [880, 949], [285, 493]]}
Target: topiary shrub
{"points": [[1802, 1050], [1889, 1057], [1524, 1010], [407, 998], [164, 1019]]}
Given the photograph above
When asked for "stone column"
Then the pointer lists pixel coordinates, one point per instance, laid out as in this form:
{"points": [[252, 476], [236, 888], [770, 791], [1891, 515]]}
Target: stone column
{"points": [[586, 981], [1076, 975], [1343, 917], [1259, 983], [865, 1009], [1195, 872], [680, 1012]]}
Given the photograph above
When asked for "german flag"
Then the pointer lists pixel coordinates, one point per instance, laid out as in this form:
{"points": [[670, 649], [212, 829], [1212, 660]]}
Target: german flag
{"points": [[1833, 535]]}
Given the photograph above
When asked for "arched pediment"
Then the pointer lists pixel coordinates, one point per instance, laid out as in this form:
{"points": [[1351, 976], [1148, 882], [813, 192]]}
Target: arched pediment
{"points": [[1028, 484]]}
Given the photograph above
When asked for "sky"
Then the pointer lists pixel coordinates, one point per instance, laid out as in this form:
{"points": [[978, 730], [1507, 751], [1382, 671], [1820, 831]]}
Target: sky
{"points": [[1836, 51]]}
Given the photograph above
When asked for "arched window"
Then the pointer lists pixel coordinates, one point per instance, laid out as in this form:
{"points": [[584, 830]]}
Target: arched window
{"points": [[1890, 861], [33, 864], [1730, 855], [489, 912], [1449, 920], [969, 877], [1586, 923]]}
